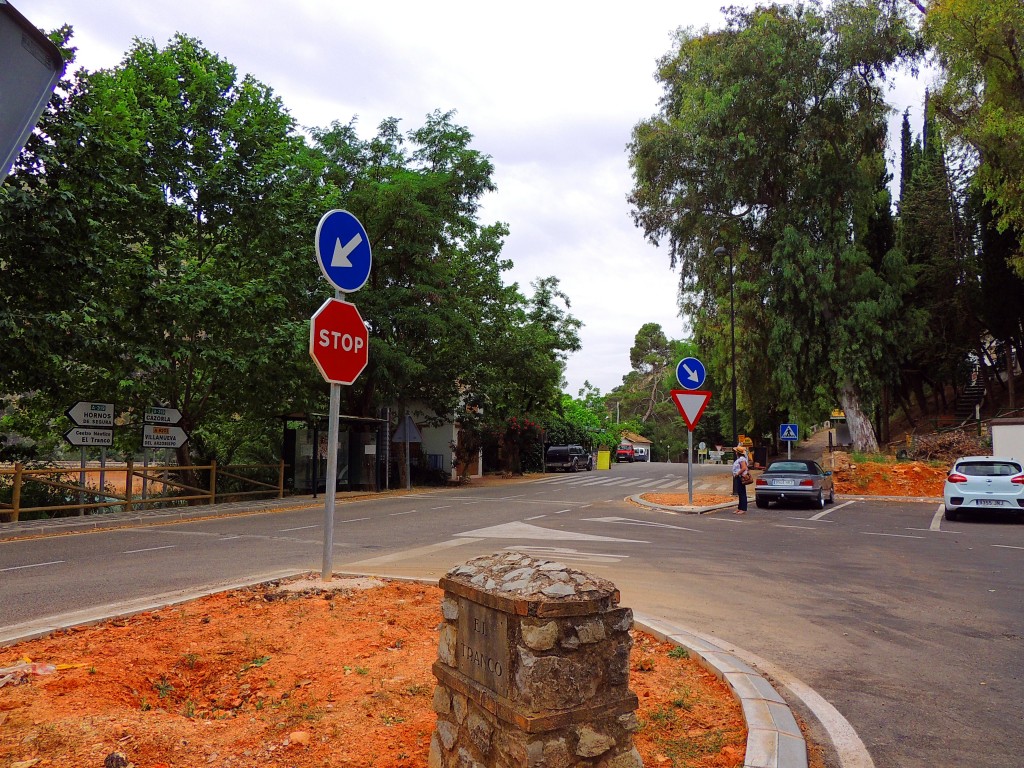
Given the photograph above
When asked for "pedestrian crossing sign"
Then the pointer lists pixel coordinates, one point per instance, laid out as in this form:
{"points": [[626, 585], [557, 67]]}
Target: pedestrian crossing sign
{"points": [[789, 432]]}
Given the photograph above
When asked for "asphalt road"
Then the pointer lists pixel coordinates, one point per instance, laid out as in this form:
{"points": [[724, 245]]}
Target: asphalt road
{"points": [[911, 626]]}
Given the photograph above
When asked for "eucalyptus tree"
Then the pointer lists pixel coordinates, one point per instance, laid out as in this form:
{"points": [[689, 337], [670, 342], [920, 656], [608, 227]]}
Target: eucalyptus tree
{"points": [[768, 142]]}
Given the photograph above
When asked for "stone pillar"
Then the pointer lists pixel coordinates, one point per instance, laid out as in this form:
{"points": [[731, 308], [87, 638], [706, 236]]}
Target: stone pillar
{"points": [[532, 668]]}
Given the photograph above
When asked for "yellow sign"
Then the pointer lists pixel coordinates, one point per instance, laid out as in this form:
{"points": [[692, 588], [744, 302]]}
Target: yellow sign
{"points": [[838, 413], [604, 459]]}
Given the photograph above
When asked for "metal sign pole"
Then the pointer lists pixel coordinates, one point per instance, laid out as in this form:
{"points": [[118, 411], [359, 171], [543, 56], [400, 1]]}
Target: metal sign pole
{"points": [[689, 467], [332, 481], [789, 449]]}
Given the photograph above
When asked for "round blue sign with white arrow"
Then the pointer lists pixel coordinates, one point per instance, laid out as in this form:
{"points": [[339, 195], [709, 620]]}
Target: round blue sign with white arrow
{"points": [[690, 373], [343, 250]]}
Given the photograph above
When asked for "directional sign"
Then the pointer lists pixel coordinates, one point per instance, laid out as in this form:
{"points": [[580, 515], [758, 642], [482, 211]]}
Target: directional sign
{"points": [[80, 437], [690, 373], [339, 341], [156, 415], [157, 436], [343, 250], [789, 432], [85, 414], [691, 405]]}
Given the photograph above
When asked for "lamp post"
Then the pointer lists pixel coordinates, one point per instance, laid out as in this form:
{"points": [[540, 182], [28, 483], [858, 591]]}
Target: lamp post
{"points": [[720, 251]]}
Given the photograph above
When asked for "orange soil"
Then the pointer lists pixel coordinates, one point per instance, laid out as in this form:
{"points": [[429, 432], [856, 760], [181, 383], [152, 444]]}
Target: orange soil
{"points": [[912, 478], [294, 675]]}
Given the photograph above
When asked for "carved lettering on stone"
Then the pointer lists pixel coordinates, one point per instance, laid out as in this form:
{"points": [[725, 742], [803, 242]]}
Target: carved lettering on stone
{"points": [[483, 649]]}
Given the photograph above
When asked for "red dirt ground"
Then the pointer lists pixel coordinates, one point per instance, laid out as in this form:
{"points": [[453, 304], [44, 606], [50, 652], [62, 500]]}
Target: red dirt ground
{"points": [[299, 677]]}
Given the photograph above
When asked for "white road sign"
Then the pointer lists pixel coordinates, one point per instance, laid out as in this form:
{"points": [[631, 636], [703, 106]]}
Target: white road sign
{"points": [[156, 415], [157, 436], [85, 414], [82, 437]]}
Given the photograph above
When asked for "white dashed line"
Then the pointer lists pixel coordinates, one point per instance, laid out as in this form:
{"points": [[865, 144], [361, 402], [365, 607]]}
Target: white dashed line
{"points": [[150, 549], [894, 535], [33, 565]]}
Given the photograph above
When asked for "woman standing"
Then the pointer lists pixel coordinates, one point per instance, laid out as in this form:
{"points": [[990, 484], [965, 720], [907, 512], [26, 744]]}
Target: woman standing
{"points": [[740, 468]]}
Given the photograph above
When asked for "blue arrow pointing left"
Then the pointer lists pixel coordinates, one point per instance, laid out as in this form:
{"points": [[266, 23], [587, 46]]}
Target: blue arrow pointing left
{"points": [[343, 250]]}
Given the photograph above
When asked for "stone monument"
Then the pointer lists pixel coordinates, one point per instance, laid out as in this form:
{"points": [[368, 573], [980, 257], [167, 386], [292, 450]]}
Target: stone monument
{"points": [[532, 668]]}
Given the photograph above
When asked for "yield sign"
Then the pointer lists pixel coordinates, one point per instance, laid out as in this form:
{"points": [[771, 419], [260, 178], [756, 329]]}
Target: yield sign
{"points": [[691, 404]]}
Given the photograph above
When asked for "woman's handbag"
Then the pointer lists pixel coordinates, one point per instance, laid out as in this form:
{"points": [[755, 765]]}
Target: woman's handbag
{"points": [[746, 478]]}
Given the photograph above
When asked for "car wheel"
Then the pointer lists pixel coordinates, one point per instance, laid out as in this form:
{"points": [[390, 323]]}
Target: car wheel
{"points": [[820, 501], [952, 513], [761, 502]]}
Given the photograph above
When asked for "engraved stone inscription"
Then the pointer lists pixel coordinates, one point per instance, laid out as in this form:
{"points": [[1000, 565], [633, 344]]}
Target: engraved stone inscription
{"points": [[483, 651]]}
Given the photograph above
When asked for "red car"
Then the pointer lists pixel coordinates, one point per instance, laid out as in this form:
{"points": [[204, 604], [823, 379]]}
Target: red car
{"points": [[625, 453]]}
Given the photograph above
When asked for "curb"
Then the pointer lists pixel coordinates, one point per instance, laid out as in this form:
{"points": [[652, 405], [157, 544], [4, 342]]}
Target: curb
{"points": [[774, 739], [684, 510]]}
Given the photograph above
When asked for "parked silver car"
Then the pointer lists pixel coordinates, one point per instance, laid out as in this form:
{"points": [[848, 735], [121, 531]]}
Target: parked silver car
{"points": [[794, 480], [984, 482]]}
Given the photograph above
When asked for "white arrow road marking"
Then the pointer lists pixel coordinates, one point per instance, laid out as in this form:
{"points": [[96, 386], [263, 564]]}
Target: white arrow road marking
{"points": [[628, 521], [525, 531], [340, 256], [691, 375]]}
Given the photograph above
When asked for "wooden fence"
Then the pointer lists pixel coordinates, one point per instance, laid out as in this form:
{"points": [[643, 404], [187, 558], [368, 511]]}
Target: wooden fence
{"points": [[125, 487]]}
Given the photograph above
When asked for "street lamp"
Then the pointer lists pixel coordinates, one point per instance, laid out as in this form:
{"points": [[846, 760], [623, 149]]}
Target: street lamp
{"points": [[720, 251]]}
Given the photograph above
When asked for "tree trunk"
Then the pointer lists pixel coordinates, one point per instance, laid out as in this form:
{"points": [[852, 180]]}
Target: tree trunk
{"points": [[861, 433]]}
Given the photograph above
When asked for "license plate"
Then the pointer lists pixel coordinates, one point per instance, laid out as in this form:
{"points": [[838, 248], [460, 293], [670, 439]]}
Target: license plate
{"points": [[783, 482], [990, 502]]}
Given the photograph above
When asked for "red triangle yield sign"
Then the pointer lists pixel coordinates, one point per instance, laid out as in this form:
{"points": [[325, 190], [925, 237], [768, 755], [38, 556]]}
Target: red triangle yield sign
{"points": [[691, 404]]}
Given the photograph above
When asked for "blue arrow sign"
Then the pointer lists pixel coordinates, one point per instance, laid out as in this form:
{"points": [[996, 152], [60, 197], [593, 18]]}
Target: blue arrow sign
{"points": [[690, 373], [789, 432], [343, 250]]}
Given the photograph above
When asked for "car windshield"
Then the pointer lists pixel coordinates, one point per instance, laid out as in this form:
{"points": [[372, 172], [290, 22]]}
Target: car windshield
{"points": [[988, 468], [788, 466]]}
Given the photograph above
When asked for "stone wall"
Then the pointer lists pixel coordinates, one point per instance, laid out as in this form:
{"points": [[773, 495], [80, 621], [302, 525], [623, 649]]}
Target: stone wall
{"points": [[532, 668]]}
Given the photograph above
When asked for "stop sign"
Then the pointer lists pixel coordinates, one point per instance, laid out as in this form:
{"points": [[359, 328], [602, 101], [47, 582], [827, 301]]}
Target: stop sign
{"points": [[338, 341]]}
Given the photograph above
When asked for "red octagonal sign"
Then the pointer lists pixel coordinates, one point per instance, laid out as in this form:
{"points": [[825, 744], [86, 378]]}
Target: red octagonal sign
{"points": [[338, 341]]}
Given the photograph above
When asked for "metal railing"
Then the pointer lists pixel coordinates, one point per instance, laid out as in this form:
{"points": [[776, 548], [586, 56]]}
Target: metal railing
{"points": [[62, 490]]}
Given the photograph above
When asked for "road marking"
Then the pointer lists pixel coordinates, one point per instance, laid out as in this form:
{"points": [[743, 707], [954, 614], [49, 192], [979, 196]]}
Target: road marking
{"points": [[894, 535], [446, 506], [354, 520], [829, 511], [629, 521], [300, 528], [32, 565], [536, 517], [229, 538], [519, 530], [396, 514], [820, 520], [151, 549], [804, 527], [937, 518], [411, 553], [1006, 546], [930, 530]]}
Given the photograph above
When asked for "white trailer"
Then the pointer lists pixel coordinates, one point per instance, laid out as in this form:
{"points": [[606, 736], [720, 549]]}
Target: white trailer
{"points": [[1008, 438]]}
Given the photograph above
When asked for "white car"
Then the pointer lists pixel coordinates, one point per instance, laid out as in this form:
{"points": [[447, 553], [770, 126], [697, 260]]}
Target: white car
{"points": [[984, 482]]}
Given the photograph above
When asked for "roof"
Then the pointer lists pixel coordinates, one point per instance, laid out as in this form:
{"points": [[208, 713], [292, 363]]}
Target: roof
{"points": [[633, 437]]}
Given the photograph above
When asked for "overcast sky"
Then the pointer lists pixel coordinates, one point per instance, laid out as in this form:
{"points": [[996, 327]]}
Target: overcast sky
{"points": [[550, 90]]}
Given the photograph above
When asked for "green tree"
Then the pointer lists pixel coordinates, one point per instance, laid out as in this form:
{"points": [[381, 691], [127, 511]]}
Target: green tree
{"points": [[180, 197], [981, 96], [767, 141]]}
